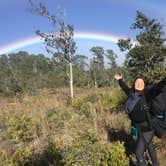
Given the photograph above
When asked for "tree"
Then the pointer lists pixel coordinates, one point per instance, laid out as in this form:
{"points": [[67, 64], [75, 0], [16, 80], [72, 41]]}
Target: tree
{"points": [[147, 56], [5, 73], [60, 42], [124, 44], [112, 58], [81, 62], [97, 65], [80, 70], [113, 67]]}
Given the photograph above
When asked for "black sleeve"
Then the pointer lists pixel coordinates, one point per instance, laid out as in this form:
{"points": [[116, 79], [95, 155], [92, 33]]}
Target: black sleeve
{"points": [[155, 89], [124, 87]]}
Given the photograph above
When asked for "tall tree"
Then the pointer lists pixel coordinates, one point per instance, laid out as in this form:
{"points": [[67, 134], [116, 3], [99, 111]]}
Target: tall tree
{"points": [[97, 65], [81, 62], [147, 56], [60, 42], [112, 58], [80, 67]]}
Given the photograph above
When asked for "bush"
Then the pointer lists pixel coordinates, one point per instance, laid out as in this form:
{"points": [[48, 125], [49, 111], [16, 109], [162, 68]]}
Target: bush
{"points": [[56, 120], [49, 156], [65, 122], [108, 101], [22, 157], [118, 156], [20, 128], [84, 152], [112, 101]]}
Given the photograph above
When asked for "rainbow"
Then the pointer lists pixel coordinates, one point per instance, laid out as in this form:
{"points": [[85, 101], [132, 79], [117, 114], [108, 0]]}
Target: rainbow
{"points": [[79, 35]]}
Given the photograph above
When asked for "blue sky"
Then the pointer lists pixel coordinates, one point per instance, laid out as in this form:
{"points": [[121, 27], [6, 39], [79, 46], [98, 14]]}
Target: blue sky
{"points": [[112, 17]]}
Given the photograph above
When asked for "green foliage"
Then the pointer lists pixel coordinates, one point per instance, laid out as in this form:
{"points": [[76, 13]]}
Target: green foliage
{"points": [[83, 108], [80, 77], [3, 157], [87, 153], [27, 73], [83, 151], [49, 156], [118, 156], [20, 128], [107, 102], [66, 122], [111, 101], [22, 72], [98, 53], [56, 120], [91, 98], [156, 75], [150, 50], [112, 59], [22, 157], [61, 135], [77, 103], [89, 136], [97, 66], [124, 44]]}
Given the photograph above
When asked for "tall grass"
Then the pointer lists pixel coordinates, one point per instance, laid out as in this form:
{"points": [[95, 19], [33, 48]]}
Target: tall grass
{"points": [[30, 123]]}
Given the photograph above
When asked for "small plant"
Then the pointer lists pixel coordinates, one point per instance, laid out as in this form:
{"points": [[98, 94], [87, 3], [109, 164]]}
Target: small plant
{"points": [[22, 157], [87, 151], [20, 128]]}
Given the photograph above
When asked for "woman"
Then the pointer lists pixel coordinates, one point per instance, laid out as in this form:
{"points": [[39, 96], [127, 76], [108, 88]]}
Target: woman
{"points": [[138, 97]]}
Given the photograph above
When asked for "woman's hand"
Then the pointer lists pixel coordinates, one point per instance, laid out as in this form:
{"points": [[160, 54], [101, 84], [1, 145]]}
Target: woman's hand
{"points": [[118, 76]]}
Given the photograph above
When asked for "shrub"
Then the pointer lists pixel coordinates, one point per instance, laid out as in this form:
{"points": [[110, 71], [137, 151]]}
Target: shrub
{"points": [[56, 120], [111, 101], [84, 152], [118, 156], [49, 156], [22, 157], [65, 122], [21, 128]]}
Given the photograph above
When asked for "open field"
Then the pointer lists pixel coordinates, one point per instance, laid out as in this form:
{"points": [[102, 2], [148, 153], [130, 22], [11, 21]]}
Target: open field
{"points": [[29, 124]]}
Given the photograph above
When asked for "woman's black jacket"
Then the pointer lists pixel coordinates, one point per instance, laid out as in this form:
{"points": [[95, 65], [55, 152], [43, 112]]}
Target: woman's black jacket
{"points": [[138, 115]]}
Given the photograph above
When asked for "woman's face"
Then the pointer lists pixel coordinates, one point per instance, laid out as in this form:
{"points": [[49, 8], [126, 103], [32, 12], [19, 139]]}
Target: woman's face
{"points": [[139, 84]]}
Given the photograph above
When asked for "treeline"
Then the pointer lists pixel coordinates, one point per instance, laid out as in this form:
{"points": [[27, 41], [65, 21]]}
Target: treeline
{"points": [[23, 72], [44, 129]]}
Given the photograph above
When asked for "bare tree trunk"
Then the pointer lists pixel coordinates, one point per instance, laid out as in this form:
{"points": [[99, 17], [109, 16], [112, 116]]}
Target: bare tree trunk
{"points": [[96, 85], [71, 81]]}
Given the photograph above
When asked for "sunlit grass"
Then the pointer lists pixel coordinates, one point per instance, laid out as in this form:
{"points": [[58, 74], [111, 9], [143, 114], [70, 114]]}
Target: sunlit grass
{"points": [[54, 117]]}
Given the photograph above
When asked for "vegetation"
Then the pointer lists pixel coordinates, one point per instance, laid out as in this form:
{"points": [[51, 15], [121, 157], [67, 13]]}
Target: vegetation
{"points": [[44, 130], [149, 51], [21, 72], [40, 126], [59, 42]]}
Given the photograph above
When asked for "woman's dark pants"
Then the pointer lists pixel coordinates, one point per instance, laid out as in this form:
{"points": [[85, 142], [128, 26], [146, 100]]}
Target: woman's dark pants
{"points": [[145, 142]]}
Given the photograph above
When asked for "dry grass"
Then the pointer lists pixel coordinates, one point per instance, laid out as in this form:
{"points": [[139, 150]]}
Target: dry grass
{"points": [[44, 100], [49, 99]]}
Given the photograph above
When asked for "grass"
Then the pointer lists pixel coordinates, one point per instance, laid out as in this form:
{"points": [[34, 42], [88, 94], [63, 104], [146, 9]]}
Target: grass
{"points": [[93, 110]]}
